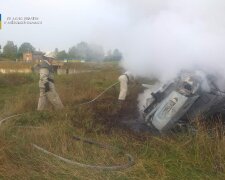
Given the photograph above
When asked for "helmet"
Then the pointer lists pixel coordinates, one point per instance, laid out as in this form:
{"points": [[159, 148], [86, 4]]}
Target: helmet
{"points": [[50, 55]]}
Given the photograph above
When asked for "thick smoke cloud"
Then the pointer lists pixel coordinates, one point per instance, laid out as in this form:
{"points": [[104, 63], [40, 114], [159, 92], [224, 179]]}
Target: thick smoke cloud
{"points": [[157, 37], [167, 36]]}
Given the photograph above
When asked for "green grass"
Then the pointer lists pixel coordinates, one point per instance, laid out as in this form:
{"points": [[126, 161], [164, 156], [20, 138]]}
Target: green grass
{"points": [[179, 156]]}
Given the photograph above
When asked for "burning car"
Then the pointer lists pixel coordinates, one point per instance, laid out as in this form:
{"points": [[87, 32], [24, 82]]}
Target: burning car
{"points": [[191, 94]]}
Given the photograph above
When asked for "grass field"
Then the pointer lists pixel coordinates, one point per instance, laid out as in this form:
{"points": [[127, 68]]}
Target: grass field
{"points": [[178, 156], [15, 65]]}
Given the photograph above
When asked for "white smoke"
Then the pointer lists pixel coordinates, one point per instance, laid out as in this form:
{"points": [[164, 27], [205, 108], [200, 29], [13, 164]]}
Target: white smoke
{"points": [[157, 37], [167, 36], [145, 98]]}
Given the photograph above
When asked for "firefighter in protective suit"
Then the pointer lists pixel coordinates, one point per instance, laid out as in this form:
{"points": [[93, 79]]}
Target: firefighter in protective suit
{"points": [[46, 84], [124, 80]]}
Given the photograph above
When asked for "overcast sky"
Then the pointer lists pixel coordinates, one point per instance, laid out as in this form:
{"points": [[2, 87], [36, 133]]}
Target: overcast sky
{"points": [[157, 37], [65, 22]]}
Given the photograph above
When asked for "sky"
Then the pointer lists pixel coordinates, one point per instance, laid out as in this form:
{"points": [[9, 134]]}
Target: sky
{"points": [[156, 37], [65, 22]]}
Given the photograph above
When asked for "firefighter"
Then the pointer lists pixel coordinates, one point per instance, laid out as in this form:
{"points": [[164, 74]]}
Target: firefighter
{"points": [[46, 84], [124, 80]]}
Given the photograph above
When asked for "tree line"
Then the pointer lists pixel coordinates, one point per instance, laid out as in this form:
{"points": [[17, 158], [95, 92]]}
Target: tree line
{"points": [[81, 51]]}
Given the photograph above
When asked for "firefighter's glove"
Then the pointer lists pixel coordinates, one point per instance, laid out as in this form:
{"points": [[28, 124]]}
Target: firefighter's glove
{"points": [[47, 87]]}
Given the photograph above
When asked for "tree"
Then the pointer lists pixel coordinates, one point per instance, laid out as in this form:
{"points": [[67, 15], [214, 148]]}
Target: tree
{"points": [[117, 55], [95, 53], [61, 55], [82, 50], [85, 51], [24, 48], [72, 53], [10, 50]]}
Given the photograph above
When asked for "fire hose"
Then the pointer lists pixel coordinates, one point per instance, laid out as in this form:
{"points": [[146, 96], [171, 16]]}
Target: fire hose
{"points": [[130, 162], [93, 100], [98, 167]]}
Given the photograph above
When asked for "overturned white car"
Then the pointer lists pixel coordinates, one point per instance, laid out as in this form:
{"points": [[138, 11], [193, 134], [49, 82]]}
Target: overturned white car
{"points": [[191, 94]]}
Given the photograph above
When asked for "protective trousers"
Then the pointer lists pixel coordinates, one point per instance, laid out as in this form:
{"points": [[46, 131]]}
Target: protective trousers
{"points": [[50, 96], [123, 87]]}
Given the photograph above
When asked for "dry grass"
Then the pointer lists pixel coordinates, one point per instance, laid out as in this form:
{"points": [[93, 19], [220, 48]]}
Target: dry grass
{"points": [[180, 156], [15, 65], [83, 66]]}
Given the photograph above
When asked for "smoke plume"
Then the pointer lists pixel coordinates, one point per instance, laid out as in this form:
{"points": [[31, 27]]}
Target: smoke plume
{"points": [[167, 36], [157, 37]]}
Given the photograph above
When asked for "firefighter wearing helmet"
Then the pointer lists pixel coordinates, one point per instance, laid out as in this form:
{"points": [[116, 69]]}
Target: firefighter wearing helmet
{"points": [[46, 84], [124, 80]]}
